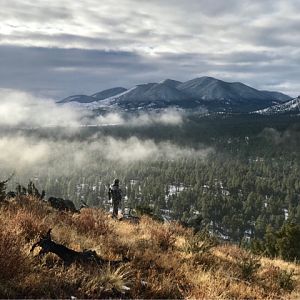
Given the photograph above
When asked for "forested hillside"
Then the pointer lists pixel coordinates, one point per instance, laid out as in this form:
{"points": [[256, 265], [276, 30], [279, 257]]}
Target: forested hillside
{"points": [[237, 176]]}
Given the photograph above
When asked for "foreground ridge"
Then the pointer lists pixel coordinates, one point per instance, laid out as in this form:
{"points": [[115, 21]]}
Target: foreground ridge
{"points": [[164, 260]]}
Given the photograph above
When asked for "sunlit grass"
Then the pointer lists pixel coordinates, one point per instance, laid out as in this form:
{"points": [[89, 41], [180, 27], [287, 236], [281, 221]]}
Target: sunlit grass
{"points": [[157, 260]]}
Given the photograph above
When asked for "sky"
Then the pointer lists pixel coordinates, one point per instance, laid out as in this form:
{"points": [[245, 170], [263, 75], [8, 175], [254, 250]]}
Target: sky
{"points": [[61, 48]]}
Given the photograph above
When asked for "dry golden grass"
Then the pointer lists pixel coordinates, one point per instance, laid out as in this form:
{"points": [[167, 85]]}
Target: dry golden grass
{"points": [[165, 260]]}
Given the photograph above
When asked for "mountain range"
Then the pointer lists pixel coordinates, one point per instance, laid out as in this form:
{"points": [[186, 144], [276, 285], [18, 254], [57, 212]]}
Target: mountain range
{"points": [[206, 92]]}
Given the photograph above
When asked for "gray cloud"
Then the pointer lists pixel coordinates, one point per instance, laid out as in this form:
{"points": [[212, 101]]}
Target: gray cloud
{"points": [[27, 11], [67, 47], [61, 72]]}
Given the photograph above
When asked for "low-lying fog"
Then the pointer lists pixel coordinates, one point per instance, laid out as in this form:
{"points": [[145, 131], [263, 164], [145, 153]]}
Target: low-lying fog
{"points": [[20, 152]]}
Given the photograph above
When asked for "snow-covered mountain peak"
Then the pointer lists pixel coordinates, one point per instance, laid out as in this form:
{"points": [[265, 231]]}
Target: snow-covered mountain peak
{"points": [[214, 94], [171, 82]]}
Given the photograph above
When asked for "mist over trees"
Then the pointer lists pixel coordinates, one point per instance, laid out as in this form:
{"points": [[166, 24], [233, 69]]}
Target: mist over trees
{"points": [[236, 175]]}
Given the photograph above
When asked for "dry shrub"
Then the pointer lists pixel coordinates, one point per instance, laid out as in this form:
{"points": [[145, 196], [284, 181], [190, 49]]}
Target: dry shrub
{"points": [[11, 256], [93, 222], [144, 260], [248, 265], [163, 236], [199, 243], [67, 236], [150, 258], [32, 204], [57, 282], [216, 284], [277, 280], [160, 285], [28, 224], [206, 285], [180, 230], [60, 218], [160, 274], [169, 262], [78, 281], [242, 264], [205, 260], [141, 245], [114, 248], [242, 290], [232, 252]]}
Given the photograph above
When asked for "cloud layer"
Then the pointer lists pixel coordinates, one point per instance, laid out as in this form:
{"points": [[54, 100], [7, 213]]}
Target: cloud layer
{"points": [[69, 149], [29, 154], [166, 117], [68, 47], [24, 110]]}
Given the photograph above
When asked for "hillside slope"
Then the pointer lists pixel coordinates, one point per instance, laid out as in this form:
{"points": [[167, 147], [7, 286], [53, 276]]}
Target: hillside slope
{"points": [[289, 107], [163, 260], [77, 99]]}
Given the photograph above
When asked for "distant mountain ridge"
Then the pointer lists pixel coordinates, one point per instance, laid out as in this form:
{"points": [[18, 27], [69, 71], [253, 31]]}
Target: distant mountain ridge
{"points": [[77, 98], [95, 97], [209, 88], [209, 92], [289, 107], [108, 93]]}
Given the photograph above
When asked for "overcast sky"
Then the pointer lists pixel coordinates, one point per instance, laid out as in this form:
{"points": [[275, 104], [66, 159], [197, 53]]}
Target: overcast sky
{"points": [[60, 48]]}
